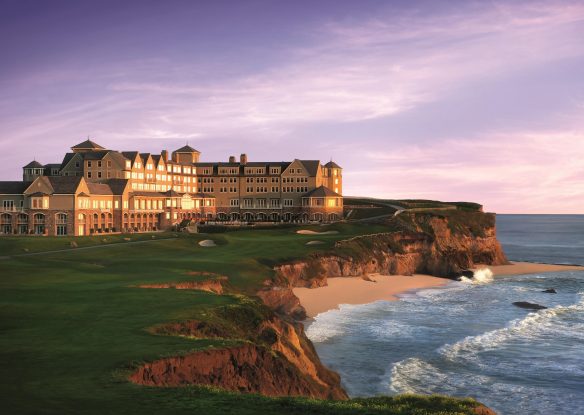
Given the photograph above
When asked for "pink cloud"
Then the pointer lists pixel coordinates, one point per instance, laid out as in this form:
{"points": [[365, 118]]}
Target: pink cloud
{"points": [[509, 173]]}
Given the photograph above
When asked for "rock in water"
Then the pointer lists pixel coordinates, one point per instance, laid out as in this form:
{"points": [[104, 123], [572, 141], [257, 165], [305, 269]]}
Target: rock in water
{"points": [[467, 273], [529, 306], [550, 291]]}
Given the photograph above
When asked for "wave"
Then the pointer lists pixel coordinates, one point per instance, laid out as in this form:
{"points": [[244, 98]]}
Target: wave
{"points": [[531, 326], [414, 375], [480, 277]]}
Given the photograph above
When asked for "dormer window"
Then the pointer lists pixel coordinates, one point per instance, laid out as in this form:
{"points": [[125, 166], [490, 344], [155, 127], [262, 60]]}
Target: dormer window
{"points": [[128, 164]]}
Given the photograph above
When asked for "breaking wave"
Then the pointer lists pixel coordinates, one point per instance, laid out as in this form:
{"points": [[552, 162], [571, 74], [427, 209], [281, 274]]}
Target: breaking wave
{"points": [[543, 323], [480, 276]]}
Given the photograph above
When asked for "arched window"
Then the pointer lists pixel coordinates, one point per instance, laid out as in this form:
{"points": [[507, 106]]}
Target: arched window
{"points": [[39, 223], [6, 224], [22, 223], [61, 224]]}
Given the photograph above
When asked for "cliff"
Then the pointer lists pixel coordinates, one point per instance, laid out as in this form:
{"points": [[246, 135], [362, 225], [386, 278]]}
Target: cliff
{"points": [[268, 351], [273, 356], [436, 243]]}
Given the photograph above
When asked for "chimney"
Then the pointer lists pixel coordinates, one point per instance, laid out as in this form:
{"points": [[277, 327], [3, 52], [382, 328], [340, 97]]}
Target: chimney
{"points": [[232, 159], [243, 159], [164, 155]]}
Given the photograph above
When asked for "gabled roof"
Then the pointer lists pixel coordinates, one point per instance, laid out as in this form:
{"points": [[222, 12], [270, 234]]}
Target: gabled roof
{"points": [[322, 191], [51, 166], [64, 184], [172, 193], [117, 186], [99, 188], [108, 187], [144, 156], [83, 194], [130, 155], [67, 159], [186, 149], [34, 164], [332, 165], [13, 188], [311, 166], [94, 155], [38, 194], [87, 145]]}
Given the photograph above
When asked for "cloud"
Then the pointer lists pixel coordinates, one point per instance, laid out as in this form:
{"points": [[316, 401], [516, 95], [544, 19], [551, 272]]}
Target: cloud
{"points": [[349, 72], [372, 69], [514, 172]]}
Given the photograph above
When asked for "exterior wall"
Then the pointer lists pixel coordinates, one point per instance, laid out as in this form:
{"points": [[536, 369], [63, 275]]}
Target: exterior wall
{"points": [[106, 168], [74, 167], [223, 191]]}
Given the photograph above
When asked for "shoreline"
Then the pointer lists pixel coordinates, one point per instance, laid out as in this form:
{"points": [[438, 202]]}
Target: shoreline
{"points": [[376, 287]]}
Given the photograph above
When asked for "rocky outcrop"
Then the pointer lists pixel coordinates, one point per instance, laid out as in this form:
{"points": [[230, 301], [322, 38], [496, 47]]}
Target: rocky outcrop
{"points": [[245, 368], [215, 285], [283, 301], [275, 359], [483, 410], [429, 244]]}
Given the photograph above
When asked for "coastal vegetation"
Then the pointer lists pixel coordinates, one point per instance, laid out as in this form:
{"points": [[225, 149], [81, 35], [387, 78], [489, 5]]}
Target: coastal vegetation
{"points": [[78, 321]]}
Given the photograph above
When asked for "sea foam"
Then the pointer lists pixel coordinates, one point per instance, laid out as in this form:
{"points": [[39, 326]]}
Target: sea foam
{"points": [[531, 326], [480, 276]]}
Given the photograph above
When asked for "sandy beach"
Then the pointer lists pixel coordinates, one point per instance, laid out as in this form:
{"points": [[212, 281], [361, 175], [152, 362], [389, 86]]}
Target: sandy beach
{"points": [[387, 287], [359, 291]]}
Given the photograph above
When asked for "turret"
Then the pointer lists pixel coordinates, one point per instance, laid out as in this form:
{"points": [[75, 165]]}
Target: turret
{"points": [[333, 174], [186, 154], [32, 170]]}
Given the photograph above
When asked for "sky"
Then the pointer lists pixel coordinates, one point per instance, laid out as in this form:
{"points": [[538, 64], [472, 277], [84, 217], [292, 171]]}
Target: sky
{"points": [[447, 100]]}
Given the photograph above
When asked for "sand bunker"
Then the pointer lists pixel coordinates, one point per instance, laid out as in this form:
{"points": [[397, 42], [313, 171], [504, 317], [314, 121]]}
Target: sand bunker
{"points": [[307, 232], [207, 243], [314, 243]]}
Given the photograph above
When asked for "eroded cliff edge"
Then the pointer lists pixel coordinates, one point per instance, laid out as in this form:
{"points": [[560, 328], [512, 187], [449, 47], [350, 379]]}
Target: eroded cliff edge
{"points": [[270, 353], [441, 244]]}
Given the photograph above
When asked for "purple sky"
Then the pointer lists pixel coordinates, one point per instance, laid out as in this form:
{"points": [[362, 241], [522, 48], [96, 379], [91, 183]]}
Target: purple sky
{"points": [[479, 101]]}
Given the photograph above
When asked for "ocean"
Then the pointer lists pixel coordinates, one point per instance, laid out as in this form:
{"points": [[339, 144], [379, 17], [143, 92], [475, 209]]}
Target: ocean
{"points": [[467, 339]]}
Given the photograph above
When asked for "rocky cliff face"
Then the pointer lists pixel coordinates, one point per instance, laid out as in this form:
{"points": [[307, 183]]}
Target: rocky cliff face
{"points": [[431, 244], [281, 361], [272, 355]]}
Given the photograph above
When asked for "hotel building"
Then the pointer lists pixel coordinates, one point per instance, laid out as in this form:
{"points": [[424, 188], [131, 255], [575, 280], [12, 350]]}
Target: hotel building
{"points": [[95, 190]]}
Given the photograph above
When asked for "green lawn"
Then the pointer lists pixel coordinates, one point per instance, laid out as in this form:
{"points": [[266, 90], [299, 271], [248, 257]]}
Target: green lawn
{"points": [[72, 323]]}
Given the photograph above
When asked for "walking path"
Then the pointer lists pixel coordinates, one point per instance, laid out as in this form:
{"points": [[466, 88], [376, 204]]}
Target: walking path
{"points": [[86, 247]]}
